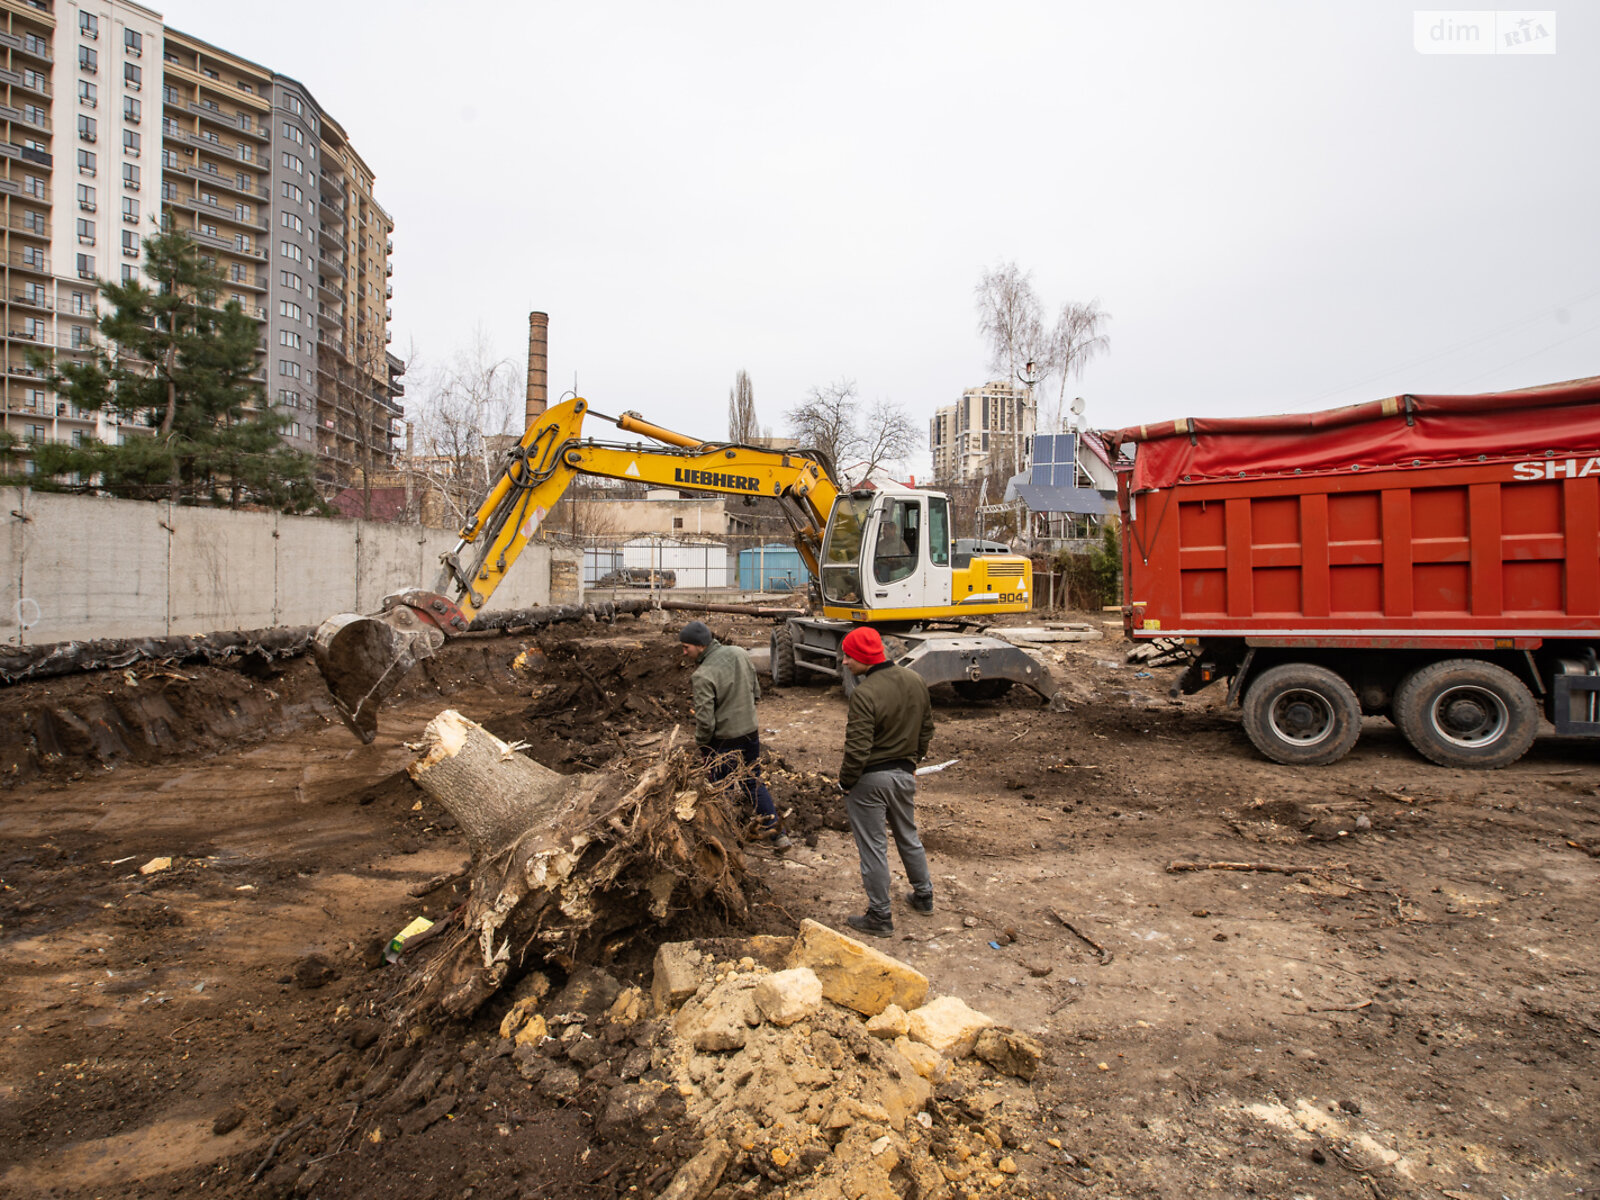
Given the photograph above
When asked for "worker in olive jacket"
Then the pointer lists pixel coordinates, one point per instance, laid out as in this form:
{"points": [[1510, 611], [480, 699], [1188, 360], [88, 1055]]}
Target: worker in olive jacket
{"points": [[725, 694], [886, 734]]}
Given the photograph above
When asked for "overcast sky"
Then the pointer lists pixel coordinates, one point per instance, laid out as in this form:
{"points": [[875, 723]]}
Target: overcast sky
{"points": [[1283, 206]]}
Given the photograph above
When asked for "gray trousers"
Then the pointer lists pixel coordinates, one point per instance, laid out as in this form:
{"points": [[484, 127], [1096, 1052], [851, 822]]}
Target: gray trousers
{"points": [[882, 798]]}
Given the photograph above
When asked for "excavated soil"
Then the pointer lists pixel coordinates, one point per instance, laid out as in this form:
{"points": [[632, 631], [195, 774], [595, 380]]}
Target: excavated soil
{"points": [[1413, 1012]]}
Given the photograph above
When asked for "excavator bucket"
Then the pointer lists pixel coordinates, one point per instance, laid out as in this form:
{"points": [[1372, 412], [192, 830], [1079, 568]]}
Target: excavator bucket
{"points": [[363, 659]]}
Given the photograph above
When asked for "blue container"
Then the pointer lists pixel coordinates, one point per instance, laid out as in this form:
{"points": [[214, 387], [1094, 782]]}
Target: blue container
{"points": [[776, 568]]}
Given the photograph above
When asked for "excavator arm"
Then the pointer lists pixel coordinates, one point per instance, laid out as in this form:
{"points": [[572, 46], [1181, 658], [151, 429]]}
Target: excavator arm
{"points": [[363, 658]]}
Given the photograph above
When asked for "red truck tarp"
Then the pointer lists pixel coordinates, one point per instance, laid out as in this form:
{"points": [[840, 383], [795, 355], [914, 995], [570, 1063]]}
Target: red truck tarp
{"points": [[1398, 431]]}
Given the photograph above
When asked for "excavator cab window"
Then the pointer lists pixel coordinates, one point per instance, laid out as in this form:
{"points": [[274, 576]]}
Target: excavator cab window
{"points": [[938, 531], [841, 550], [894, 554]]}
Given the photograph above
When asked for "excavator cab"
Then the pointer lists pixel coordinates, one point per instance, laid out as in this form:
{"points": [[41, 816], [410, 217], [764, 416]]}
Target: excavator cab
{"points": [[886, 558]]}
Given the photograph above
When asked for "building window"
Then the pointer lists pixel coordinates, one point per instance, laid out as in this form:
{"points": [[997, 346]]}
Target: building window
{"points": [[87, 94], [88, 60], [289, 338], [86, 162], [288, 369], [130, 209], [290, 221], [294, 105], [129, 273], [294, 164], [33, 256], [294, 133], [80, 337], [132, 43], [33, 185], [130, 176], [244, 118], [288, 398], [33, 329], [132, 76], [85, 197], [169, 95], [88, 130], [208, 230], [290, 280], [242, 211], [130, 243], [85, 266], [130, 110], [89, 25], [290, 250], [290, 310], [81, 303], [291, 192], [85, 231], [241, 241], [130, 142]]}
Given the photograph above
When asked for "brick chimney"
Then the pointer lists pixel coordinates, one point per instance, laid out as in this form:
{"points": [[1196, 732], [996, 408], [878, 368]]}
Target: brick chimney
{"points": [[538, 366]]}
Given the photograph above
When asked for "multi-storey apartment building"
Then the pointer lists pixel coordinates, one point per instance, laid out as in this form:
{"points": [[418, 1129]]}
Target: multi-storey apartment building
{"points": [[988, 427], [115, 121]]}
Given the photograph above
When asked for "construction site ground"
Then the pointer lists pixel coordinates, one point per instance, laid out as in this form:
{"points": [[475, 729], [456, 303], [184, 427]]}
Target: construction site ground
{"points": [[1417, 1013]]}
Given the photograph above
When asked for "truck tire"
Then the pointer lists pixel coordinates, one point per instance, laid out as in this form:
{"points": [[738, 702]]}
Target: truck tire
{"points": [[781, 656], [1302, 714], [971, 690], [1465, 712]]}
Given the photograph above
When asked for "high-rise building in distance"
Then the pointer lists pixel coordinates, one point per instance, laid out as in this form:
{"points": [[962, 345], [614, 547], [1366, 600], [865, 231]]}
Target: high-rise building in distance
{"points": [[115, 121], [988, 427]]}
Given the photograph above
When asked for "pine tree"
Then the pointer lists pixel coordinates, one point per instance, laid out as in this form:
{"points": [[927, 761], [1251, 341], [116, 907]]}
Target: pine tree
{"points": [[178, 364]]}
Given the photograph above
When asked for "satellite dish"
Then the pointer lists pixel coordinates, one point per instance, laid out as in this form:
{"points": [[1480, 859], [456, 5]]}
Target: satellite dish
{"points": [[1077, 406]]}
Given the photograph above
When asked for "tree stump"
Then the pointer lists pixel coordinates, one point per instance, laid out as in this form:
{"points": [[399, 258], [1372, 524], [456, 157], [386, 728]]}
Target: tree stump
{"points": [[562, 862]]}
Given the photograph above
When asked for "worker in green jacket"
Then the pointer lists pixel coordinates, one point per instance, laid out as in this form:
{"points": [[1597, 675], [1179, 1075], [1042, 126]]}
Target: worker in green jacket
{"points": [[886, 734], [725, 694]]}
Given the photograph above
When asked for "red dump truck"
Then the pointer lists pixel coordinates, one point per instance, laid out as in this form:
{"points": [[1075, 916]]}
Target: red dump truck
{"points": [[1435, 559]]}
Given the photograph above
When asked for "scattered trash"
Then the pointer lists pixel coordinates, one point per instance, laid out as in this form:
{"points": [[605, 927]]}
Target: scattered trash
{"points": [[994, 945], [1142, 675], [397, 944], [154, 865], [929, 770]]}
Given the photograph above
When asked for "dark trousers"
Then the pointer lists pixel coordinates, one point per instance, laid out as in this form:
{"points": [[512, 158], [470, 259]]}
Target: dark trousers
{"points": [[727, 755], [883, 802]]}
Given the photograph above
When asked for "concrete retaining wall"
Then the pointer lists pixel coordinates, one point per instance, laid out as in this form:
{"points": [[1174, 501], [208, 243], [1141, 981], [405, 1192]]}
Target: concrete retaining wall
{"points": [[78, 567]]}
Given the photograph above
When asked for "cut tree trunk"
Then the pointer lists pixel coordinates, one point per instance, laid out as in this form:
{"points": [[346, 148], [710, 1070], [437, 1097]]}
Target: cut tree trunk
{"points": [[563, 862]]}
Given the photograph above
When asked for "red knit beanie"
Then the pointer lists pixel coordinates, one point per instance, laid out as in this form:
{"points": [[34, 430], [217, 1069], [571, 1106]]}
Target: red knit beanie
{"points": [[864, 645]]}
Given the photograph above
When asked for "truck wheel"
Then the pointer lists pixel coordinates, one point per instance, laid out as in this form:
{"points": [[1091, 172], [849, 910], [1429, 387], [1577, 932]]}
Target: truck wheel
{"points": [[781, 656], [981, 689], [1464, 712], [1301, 714]]}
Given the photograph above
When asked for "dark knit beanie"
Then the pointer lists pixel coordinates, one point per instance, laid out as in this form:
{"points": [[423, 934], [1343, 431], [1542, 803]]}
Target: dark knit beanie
{"points": [[696, 633]]}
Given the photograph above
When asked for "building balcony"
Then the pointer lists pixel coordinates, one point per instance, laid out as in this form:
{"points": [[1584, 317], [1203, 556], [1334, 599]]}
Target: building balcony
{"points": [[256, 283], [28, 81], [213, 112], [228, 245], [196, 204], [333, 263], [388, 291], [34, 265], [19, 223], [35, 48], [226, 182], [41, 303]]}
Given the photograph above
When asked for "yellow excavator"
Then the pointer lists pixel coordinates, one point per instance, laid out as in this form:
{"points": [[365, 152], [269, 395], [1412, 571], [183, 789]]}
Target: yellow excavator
{"points": [[879, 556]]}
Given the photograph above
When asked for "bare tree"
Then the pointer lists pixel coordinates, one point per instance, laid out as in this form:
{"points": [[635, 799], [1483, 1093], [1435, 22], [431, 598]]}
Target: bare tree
{"points": [[469, 408], [1009, 318], [825, 420], [742, 423], [1078, 337], [886, 435], [856, 442]]}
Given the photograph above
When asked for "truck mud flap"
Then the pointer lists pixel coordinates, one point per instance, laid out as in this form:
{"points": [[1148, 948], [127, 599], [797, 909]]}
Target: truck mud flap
{"points": [[973, 660]]}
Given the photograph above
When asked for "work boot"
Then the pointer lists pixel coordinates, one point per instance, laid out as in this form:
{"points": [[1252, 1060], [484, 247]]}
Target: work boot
{"points": [[921, 904], [781, 843], [871, 925]]}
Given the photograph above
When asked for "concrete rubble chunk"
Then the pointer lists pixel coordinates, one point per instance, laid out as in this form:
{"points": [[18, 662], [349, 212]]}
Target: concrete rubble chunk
{"points": [[676, 975], [924, 1060], [1009, 1052], [855, 975], [890, 1023], [789, 996], [697, 1177], [532, 1032], [947, 1025]]}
